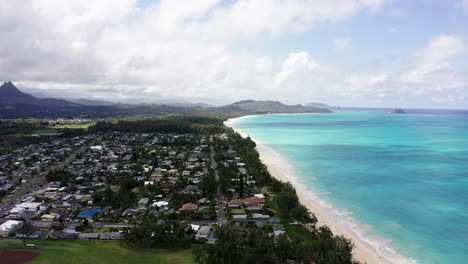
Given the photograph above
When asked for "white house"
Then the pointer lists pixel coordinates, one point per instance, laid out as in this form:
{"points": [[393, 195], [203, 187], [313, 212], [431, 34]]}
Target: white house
{"points": [[203, 233], [9, 226], [31, 207]]}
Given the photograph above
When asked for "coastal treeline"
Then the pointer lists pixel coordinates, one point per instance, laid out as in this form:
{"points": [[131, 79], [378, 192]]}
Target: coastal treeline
{"points": [[303, 242], [256, 245], [184, 124]]}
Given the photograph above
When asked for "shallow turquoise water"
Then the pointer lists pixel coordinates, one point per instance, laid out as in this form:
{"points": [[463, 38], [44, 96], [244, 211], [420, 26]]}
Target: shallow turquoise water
{"points": [[404, 175]]}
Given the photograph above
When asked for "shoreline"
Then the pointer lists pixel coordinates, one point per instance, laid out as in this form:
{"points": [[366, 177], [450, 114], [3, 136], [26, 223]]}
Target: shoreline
{"points": [[364, 250]]}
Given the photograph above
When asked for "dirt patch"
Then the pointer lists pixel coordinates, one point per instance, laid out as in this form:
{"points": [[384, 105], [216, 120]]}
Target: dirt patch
{"points": [[17, 256]]}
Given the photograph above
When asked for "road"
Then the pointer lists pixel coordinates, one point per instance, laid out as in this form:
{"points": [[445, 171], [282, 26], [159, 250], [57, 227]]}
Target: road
{"points": [[221, 219]]}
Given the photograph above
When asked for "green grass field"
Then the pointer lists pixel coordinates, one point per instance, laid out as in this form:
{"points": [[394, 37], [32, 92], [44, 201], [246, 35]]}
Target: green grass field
{"points": [[99, 252], [238, 211], [73, 126]]}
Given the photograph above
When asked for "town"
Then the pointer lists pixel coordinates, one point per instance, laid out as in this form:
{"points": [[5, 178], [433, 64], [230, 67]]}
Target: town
{"points": [[73, 188], [186, 182]]}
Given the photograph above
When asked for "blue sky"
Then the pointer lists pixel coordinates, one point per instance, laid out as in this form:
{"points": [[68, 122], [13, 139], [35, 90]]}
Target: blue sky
{"points": [[388, 53]]}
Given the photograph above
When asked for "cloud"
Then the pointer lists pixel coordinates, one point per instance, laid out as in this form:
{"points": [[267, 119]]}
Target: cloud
{"points": [[295, 63], [430, 74], [342, 43], [432, 66], [440, 49], [177, 48], [464, 4], [190, 49]]}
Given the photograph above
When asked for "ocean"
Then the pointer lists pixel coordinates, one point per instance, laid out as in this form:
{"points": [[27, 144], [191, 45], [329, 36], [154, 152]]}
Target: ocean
{"points": [[400, 180]]}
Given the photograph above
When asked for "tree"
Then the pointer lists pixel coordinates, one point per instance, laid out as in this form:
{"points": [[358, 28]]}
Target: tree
{"points": [[283, 248], [228, 248], [332, 249], [208, 185], [286, 201], [26, 230], [302, 214]]}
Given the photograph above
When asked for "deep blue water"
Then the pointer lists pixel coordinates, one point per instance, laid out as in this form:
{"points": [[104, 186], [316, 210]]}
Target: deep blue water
{"points": [[404, 175]]}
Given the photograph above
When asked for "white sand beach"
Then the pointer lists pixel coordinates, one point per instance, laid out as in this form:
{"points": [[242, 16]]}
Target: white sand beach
{"points": [[363, 250]]}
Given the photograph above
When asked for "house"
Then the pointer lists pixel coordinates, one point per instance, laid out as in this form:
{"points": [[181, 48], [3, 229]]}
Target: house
{"points": [[203, 233], [30, 207], [63, 235], [96, 148], [88, 236], [254, 202], [16, 213], [190, 207], [212, 238], [236, 203], [161, 205], [54, 184], [130, 213], [45, 226], [241, 218], [260, 218], [50, 217], [88, 214], [259, 195], [142, 203], [8, 227], [111, 236], [204, 201]]}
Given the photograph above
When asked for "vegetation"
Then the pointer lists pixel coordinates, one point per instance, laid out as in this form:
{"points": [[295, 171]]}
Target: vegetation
{"points": [[301, 243], [183, 124], [109, 252], [153, 232]]}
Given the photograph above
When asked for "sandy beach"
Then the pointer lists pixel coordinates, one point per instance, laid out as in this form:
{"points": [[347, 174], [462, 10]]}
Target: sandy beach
{"points": [[363, 250]]}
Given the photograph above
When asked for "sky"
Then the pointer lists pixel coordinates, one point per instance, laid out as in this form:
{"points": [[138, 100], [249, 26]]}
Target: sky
{"points": [[368, 53]]}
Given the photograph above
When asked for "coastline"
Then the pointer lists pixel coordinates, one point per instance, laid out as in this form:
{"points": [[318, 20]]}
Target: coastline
{"points": [[364, 249]]}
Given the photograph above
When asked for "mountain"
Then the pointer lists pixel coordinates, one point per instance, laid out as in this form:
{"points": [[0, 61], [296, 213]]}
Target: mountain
{"points": [[83, 101], [192, 105], [16, 104], [9, 94], [322, 106], [251, 106]]}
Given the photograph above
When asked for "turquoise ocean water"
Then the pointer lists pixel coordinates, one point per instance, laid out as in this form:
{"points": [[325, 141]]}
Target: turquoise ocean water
{"points": [[404, 176]]}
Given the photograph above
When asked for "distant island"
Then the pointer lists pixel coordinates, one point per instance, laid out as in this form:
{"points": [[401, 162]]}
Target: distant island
{"points": [[398, 111], [17, 104]]}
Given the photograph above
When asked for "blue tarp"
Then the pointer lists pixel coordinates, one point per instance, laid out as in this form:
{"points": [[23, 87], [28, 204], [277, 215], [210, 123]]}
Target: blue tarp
{"points": [[89, 213]]}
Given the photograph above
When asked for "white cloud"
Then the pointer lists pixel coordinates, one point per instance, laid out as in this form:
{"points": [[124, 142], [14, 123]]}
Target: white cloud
{"points": [[168, 48], [431, 77], [464, 4], [118, 50], [440, 49], [432, 67], [342, 43], [296, 63]]}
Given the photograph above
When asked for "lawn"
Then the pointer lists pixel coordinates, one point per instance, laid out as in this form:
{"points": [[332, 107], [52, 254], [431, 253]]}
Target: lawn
{"points": [[73, 126], [100, 252], [237, 211]]}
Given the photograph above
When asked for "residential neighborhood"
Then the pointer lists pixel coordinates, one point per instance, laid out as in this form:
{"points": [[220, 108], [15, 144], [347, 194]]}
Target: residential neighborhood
{"points": [[97, 187]]}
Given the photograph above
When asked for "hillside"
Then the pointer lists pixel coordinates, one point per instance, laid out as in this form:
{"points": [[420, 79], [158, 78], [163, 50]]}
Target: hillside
{"points": [[322, 106], [252, 106], [84, 101], [17, 104]]}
